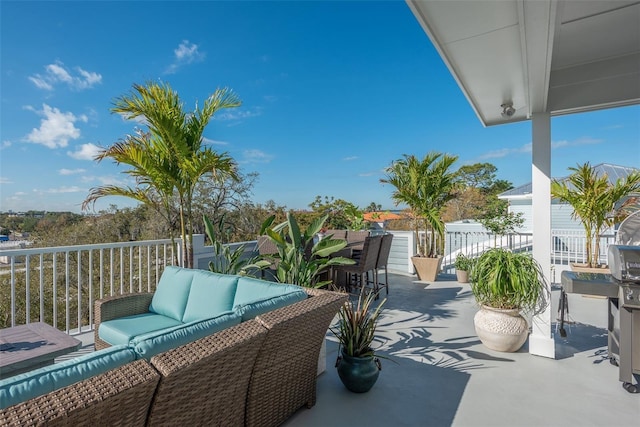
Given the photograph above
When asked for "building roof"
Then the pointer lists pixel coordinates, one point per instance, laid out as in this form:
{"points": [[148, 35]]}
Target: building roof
{"points": [[613, 172]]}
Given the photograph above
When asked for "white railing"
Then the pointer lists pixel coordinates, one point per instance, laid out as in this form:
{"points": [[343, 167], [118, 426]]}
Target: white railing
{"points": [[58, 285], [567, 246], [64, 282]]}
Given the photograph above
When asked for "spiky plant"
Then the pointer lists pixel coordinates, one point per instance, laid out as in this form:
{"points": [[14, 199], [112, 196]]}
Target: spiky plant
{"points": [[357, 325], [504, 279]]}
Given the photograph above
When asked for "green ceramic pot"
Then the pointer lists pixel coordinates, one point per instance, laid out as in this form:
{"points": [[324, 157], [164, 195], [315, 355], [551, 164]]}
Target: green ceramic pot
{"points": [[358, 374]]}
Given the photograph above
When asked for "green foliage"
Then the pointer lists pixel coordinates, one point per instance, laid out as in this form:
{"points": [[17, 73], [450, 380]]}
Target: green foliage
{"points": [[463, 262], [503, 224], [299, 260], [425, 185], [225, 260], [373, 207], [356, 218], [341, 214], [509, 280], [596, 202], [357, 325]]}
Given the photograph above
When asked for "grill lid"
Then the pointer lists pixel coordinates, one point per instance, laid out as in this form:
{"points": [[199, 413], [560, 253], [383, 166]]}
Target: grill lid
{"points": [[624, 263], [629, 230], [624, 258]]}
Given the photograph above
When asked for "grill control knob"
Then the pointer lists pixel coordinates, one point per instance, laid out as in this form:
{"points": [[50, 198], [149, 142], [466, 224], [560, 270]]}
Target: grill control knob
{"points": [[629, 294]]}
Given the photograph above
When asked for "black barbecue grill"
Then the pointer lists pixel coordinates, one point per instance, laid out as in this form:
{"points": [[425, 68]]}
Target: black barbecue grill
{"points": [[622, 289]]}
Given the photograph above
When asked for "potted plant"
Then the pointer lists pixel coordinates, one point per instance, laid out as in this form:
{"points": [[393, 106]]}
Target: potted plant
{"points": [[300, 259], [358, 365], [463, 267], [425, 185], [505, 283], [226, 260], [597, 204]]}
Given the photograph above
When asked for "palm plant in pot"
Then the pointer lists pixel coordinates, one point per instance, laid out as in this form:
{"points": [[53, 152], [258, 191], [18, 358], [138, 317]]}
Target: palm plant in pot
{"points": [[597, 204], [505, 283], [425, 185], [358, 365]]}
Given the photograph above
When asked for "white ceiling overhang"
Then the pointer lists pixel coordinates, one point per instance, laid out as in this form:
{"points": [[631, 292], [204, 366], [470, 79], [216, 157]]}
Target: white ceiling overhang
{"points": [[541, 56]]}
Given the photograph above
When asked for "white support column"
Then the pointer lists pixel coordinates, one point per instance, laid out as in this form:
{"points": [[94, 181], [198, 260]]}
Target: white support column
{"points": [[541, 341]]}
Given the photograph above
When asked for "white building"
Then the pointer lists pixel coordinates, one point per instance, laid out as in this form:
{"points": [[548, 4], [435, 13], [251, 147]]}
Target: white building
{"points": [[520, 200]]}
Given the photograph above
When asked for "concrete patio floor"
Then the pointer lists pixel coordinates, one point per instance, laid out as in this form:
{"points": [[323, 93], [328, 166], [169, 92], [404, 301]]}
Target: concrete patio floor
{"points": [[444, 376]]}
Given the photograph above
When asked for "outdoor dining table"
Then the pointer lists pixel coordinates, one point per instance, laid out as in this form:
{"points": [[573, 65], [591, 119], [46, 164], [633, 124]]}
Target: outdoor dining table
{"points": [[27, 347]]}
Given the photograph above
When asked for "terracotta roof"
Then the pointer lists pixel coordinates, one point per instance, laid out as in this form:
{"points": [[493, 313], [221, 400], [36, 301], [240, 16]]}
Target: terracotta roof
{"points": [[380, 216]]}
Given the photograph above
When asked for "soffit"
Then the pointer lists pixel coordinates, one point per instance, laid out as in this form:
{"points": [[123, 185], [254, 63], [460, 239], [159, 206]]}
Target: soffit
{"points": [[555, 56]]}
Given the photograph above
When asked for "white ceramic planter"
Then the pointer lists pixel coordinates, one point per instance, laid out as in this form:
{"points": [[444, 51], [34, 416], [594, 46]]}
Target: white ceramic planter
{"points": [[501, 330]]}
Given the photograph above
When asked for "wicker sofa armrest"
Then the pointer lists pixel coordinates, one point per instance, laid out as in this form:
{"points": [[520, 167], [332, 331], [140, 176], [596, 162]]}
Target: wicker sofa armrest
{"points": [[118, 306], [121, 396], [205, 382], [284, 376]]}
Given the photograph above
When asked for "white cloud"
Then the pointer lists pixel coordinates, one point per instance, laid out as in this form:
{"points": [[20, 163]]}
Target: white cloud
{"points": [[209, 141], [56, 128], [64, 189], [85, 152], [185, 53], [526, 148], [107, 180], [236, 115], [5, 144], [4, 180], [255, 156], [20, 193], [64, 171], [503, 152], [348, 159], [59, 190], [57, 73]]}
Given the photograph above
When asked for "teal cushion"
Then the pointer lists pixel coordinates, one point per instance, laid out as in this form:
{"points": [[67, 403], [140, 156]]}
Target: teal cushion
{"points": [[210, 295], [251, 290], [122, 330], [148, 345], [20, 388], [256, 308], [170, 298]]}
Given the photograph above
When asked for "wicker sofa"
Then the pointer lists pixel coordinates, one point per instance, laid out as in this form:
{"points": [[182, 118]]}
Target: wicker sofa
{"points": [[256, 373]]}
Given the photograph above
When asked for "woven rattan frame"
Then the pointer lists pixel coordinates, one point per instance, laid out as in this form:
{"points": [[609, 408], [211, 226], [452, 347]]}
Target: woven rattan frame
{"points": [[205, 382], [284, 376], [115, 307], [119, 397]]}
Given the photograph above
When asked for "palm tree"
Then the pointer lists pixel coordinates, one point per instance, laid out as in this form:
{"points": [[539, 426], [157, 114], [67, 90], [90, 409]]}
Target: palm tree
{"points": [[425, 186], [170, 159], [596, 202]]}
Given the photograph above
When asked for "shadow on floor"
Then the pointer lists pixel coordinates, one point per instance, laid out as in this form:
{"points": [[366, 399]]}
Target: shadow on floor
{"points": [[580, 338], [411, 385]]}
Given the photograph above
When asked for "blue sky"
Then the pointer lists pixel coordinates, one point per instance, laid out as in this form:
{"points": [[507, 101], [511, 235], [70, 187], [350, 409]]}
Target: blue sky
{"points": [[332, 92]]}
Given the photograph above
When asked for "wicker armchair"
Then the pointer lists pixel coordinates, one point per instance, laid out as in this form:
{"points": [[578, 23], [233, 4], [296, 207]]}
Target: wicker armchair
{"points": [[285, 372], [120, 397], [118, 306], [205, 382]]}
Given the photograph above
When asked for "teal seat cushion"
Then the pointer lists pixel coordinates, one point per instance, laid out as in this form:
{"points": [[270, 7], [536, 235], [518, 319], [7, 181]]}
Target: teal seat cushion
{"points": [[148, 345], [210, 295], [250, 310], [251, 290], [20, 388], [123, 329], [170, 298]]}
